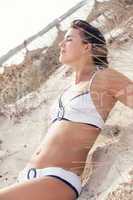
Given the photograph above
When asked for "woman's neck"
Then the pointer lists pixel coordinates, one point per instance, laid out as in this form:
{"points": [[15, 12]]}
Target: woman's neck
{"points": [[83, 74]]}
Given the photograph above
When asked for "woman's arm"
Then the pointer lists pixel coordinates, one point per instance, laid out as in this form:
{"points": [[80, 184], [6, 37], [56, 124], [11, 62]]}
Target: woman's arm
{"points": [[121, 87]]}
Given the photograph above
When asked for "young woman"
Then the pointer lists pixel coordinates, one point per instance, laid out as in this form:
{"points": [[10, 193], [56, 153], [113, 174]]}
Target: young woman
{"points": [[78, 117]]}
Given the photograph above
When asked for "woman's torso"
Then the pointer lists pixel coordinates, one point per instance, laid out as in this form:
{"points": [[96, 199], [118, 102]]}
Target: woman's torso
{"points": [[67, 143]]}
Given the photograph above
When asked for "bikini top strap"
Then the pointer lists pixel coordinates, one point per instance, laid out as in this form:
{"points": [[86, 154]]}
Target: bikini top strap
{"points": [[91, 79]]}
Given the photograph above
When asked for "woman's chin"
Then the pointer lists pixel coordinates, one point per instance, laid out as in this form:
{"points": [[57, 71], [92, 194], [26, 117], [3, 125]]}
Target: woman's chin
{"points": [[64, 61], [61, 60]]}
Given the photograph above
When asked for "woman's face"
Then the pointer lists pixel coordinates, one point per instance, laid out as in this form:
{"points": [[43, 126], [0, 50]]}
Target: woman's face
{"points": [[71, 48]]}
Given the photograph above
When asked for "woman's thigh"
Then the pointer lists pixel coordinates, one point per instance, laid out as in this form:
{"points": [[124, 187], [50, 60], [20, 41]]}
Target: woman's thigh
{"points": [[47, 188]]}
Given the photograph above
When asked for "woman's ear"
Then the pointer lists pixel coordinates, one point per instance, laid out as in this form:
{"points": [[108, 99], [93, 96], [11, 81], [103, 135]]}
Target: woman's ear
{"points": [[87, 47]]}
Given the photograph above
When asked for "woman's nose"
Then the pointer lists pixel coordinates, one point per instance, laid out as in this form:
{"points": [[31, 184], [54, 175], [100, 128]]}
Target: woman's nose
{"points": [[61, 43]]}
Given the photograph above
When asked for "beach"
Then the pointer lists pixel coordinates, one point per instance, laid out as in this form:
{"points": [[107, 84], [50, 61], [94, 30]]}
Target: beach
{"points": [[108, 174]]}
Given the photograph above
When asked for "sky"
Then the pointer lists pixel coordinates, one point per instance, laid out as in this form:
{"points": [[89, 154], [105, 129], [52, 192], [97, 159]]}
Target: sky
{"points": [[20, 19]]}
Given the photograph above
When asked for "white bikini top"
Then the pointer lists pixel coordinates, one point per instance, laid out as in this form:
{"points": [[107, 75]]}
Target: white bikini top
{"points": [[79, 108]]}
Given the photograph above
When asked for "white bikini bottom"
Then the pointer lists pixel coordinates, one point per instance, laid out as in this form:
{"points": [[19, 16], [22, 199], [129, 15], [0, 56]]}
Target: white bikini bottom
{"points": [[68, 177]]}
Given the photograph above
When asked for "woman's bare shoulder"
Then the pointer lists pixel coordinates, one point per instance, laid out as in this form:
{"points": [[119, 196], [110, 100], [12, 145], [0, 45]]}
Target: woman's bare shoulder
{"points": [[114, 81], [116, 78], [111, 72], [119, 86]]}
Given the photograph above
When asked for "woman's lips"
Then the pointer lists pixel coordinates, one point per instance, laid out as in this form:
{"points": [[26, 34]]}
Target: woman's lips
{"points": [[62, 51]]}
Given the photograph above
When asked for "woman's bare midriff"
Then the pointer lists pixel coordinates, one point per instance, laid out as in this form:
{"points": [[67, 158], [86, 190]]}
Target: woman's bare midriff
{"points": [[65, 145]]}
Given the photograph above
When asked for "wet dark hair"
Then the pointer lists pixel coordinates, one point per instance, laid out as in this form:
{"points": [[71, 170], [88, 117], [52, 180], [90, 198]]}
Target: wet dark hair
{"points": [[92, 35]]}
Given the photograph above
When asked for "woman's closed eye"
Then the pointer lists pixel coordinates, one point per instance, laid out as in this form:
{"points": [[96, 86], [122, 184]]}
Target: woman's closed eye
{"points": [[68, 39]]}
